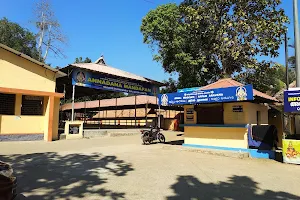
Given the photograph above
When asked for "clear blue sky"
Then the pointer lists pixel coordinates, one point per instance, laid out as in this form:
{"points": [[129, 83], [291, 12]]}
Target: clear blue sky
{"points": [[111, 28]]}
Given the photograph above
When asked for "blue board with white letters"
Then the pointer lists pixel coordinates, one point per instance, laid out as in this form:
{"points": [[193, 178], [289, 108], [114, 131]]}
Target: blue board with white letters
{"points": [[229, 94]]}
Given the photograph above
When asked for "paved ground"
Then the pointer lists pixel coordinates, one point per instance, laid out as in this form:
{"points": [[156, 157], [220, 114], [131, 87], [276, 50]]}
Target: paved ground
{"points": [[122, 168]]}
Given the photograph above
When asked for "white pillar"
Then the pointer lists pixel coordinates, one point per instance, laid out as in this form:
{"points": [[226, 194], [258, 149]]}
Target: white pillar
{"points": [[73, 99]]}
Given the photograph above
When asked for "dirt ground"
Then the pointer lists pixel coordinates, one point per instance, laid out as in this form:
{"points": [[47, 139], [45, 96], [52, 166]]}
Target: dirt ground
{"points": [[122, 168]]}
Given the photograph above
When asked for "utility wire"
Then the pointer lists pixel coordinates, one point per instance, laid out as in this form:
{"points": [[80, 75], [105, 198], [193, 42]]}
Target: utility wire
{"points": [[149, 1]]}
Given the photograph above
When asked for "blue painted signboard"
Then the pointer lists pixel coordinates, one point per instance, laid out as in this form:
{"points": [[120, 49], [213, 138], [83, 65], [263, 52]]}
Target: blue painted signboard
{"points": [[189, 89], [105, 82], [292, 100], [230, 94]]}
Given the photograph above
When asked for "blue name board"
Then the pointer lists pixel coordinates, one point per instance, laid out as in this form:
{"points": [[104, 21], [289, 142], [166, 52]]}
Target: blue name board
{"points": [[105, 82], [292, 100], [189, 89], [230, 94]]}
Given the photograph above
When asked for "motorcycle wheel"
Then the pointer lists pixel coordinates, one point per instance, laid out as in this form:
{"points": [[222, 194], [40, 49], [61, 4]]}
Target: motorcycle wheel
{"points": [[161, 138], [145, 139]]}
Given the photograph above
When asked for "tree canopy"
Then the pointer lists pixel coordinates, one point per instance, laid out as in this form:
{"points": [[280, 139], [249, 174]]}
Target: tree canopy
{"points": [[18, 38], [203, 41], [170, 86], [270, 79], [80, 60], [49, 36]]}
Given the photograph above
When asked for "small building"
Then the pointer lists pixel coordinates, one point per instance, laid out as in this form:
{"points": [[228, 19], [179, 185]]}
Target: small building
{"points": [[29, 105], [225, 115]]}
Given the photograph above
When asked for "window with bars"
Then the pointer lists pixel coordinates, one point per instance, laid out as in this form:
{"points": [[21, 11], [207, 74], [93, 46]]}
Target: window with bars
{"points": [[7, 104], [32, 105]]}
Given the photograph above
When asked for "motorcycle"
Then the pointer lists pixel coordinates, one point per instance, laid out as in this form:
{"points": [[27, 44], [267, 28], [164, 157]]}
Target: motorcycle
{"points": [[148, 136]]}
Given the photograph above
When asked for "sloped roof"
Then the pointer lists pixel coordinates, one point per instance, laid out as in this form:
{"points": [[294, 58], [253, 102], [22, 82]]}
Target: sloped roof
{"points": [[129, 113], [102, 68], [141, 99], [60, 74], [228, 82]]}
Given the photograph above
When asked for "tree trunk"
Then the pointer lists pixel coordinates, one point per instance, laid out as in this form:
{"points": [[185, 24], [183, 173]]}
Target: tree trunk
{"points": [[42, 29], [48, 45]]}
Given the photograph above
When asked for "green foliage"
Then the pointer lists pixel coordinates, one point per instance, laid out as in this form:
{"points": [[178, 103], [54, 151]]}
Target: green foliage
{"points": [[292, 61], [206, 40], [86, 60], [18, 38], [269, 80], [171, 86]]}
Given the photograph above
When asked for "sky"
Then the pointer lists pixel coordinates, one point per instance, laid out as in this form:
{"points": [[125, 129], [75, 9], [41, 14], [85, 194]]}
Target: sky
{"points": [[109, 28]]}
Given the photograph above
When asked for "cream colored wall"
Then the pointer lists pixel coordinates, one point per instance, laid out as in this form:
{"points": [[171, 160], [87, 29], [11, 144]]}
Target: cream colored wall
{"points": [[216, 136], [251, 113], [235, 117], [21, 124], [17, 72], [195, 115]]}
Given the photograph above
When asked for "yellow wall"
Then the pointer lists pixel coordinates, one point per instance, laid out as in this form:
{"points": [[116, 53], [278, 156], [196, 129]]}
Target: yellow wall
{"points": [[195, 115], [248, 116], [216, 136], [21, 124], [251, 113], [235, 117], [17, 72]]}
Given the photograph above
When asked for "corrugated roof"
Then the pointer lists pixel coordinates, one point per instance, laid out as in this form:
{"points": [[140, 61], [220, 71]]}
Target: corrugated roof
{"points": [[140, 100], [113, 71], [228, 82], [60, 74]]}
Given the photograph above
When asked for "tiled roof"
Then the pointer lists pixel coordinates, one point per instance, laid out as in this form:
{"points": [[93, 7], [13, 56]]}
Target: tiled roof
{"points": [[141, 99], [228, 82]]}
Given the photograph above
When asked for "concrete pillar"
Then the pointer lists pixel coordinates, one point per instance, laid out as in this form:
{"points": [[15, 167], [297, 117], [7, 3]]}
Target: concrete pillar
{"points": [[18, 104], [51, 108]]}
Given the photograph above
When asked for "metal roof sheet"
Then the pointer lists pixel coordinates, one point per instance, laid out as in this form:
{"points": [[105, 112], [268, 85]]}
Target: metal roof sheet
{"points": [[113, 71]]}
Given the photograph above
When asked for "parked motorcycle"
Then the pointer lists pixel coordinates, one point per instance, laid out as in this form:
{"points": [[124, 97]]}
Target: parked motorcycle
{"points": [[148, 136]]}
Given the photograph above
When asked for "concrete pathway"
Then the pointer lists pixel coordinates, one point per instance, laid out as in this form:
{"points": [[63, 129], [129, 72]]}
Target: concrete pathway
{"points": [[122, 168]]}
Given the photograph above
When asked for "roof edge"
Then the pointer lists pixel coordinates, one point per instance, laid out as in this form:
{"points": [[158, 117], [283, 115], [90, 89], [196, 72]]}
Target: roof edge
{"points": [[32, 60], [160, 84]]}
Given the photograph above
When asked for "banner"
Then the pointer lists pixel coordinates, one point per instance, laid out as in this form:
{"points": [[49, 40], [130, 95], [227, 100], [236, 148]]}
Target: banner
{"points": [[105, 82], [291, 151], [230, 94], [292, 100]]}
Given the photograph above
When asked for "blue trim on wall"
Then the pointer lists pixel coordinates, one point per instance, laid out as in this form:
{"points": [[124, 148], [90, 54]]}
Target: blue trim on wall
{"points": [[254, 153], [217, 125], [215, 147]]}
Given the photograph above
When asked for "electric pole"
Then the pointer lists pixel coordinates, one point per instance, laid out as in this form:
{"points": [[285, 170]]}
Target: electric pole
{"points": [[297, 42]]}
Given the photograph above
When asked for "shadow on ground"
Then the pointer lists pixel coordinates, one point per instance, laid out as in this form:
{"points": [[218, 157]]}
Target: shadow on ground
{"points": [[237, 187], [175, 142], [53, 176]]}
